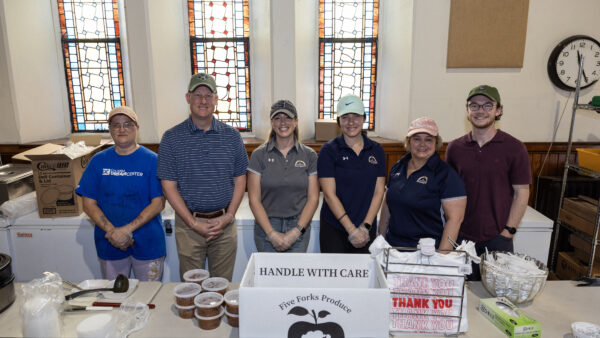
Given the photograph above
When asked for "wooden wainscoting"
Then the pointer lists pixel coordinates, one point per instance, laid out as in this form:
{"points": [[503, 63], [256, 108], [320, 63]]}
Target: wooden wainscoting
{"points": [[394, 150]]}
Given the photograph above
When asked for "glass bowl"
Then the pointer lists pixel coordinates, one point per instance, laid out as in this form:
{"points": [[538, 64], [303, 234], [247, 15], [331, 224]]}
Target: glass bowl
{"points": [[515, 283]]}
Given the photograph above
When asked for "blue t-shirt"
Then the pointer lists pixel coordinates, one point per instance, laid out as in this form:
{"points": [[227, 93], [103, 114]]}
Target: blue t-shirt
{"points": [[415, 203], [123, 186], [355, 177]]}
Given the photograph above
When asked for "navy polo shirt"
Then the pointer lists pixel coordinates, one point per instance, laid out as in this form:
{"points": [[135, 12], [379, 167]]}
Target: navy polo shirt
{"points": [[355, 177], [415, 203], [203, 163]]}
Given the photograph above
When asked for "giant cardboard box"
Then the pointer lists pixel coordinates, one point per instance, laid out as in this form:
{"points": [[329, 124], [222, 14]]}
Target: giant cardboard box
{"points": [[293, 294], [325, 130], [55, 176]]}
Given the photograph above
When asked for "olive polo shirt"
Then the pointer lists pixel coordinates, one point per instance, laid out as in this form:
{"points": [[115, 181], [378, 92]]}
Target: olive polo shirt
{"points": [[283, 179], [489, 172]]}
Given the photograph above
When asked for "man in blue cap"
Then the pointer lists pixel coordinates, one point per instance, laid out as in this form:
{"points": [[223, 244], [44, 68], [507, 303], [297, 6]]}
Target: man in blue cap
{"points": [[495, 168]]}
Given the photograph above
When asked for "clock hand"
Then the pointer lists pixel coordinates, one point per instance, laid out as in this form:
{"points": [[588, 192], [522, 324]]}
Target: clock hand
{"points": [[585, 78]]}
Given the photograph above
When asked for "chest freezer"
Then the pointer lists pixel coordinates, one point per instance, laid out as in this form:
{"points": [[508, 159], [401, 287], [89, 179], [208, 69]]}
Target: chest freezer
{"points": [[533, 236]]}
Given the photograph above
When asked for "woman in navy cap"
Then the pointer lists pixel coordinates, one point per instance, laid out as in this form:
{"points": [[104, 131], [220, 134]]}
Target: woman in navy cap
{"points": [[352, 176], [282, 185], [425, 197]]}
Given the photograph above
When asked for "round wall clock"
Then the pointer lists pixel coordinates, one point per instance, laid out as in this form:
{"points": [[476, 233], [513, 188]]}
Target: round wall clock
{"points": [[563, 64]]}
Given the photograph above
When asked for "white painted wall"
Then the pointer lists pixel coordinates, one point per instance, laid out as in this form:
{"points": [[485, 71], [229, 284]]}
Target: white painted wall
{"points": [[412, 77]]}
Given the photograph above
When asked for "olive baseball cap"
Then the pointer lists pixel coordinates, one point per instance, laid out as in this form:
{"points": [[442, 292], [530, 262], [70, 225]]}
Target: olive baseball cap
{"points": [[202, 79], [350, 104], [485, 90], [123, 110], [284, 106]]}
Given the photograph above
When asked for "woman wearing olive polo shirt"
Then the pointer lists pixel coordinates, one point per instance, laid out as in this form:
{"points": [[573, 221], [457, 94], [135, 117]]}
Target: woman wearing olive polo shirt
{"points": [[282, 185], [352, 173]]}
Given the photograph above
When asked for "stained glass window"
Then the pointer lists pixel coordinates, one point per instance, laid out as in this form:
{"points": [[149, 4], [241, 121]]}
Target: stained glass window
{"points": [[219, 41], [348, 31], [92, 50]]}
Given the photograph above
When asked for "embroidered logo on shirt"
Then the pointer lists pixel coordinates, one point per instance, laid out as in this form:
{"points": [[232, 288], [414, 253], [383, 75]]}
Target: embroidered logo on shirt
{"points": [[270, 160], [345, 158], [300, 164], [422, 180], [372, 159]]}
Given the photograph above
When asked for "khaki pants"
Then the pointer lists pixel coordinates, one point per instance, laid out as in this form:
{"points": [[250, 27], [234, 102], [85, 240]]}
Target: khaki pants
{"points": [[193, 250]]}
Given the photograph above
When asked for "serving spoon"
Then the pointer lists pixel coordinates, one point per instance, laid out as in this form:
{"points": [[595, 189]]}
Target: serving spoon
{"points": [[121, 285]]}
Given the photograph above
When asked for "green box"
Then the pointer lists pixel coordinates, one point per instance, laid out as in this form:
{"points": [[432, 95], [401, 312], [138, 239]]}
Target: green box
{"points": [[509, 318]]}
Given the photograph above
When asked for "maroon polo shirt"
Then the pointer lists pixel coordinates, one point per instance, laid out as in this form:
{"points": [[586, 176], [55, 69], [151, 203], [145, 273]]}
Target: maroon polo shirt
{"points": [[489, 172]]}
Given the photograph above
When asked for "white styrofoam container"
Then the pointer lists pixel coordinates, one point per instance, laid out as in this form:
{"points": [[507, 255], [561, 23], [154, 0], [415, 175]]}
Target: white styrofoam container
{"points": [[292, 294]]}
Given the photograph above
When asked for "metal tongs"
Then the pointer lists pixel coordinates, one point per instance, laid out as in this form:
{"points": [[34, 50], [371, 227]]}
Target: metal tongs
{"points": [[587, 281]]}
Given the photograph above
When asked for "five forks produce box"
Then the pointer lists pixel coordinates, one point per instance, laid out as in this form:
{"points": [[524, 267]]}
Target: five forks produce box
{"points": [[55, 176], [299, 294], [509, 318]]}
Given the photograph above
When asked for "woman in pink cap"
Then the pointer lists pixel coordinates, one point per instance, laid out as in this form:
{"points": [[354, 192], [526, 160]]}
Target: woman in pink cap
{"points": [[425, 197]]}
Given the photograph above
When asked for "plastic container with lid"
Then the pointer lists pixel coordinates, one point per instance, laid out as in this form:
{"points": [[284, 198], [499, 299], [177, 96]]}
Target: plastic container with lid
{"points": [[196, 276], [215, 284], [208, 303], [232, 318], [185, 312], [209, 323], [232, 301], [185, 293]]}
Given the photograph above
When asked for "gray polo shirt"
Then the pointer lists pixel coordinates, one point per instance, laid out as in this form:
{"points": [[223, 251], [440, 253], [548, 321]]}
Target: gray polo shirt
{"points": [[283, 180]]}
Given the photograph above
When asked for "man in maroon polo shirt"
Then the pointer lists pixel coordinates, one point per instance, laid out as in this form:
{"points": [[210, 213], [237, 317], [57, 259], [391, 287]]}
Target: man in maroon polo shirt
{"points": [[496, 171]]}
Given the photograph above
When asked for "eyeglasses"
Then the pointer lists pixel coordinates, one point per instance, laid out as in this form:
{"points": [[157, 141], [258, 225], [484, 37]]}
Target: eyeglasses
{"points": [[488, 106], [203, 97], [126, 125]]}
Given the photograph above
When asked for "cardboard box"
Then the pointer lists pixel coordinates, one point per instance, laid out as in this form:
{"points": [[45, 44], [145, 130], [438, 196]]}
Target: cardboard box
{"points": [[582, 249], [577, 222], [325, 130], [582, 206], [570, 267], [56, 176], [509, 318], [288, 295], [589, 158]]}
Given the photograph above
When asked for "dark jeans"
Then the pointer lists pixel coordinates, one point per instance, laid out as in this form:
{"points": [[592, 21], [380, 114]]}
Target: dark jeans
{"points": [[498, 243], [333, 240]]}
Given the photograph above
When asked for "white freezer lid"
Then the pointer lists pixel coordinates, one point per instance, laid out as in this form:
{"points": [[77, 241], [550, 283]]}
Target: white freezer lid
{"points": [[535, 219], [33, 219]]}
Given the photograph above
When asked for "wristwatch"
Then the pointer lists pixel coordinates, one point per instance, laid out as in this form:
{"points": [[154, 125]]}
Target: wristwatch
{"points": [[511, 230], [301, 229], [367, 226]]}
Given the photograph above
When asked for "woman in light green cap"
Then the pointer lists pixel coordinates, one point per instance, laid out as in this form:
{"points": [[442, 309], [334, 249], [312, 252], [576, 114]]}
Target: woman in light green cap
{"points": [[351, 169]]}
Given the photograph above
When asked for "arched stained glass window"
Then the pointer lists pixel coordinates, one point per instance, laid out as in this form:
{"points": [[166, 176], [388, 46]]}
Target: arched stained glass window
{"points": [[348, 31], [92, 52], [219, 44]]}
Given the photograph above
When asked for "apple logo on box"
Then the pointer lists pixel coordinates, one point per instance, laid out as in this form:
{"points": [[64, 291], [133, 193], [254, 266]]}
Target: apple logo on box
{"points": [[308, 329]]}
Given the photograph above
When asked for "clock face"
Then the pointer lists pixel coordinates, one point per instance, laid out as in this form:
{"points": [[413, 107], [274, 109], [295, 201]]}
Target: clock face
{"points": [[563, 64]]}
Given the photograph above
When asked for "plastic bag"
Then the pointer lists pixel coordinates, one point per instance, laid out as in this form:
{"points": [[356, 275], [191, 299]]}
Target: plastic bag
{"points": [[428, 291], [19, 206], [41, 306], [132, 316]]}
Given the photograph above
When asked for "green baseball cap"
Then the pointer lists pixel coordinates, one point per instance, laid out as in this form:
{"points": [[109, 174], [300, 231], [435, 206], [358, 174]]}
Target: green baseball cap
{"points": [[485, 90], [202, 79], [350, 104]]}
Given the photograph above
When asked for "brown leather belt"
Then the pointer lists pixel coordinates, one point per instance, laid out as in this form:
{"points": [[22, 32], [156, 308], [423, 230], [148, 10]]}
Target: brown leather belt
{"points": [[210, 214]]}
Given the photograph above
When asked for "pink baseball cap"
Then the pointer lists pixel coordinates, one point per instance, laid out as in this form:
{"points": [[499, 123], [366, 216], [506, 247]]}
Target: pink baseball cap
{"points": [[422, 125]]}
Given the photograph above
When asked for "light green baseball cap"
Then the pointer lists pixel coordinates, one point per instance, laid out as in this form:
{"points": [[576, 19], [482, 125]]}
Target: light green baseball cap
{"points": [[350, 104]]}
